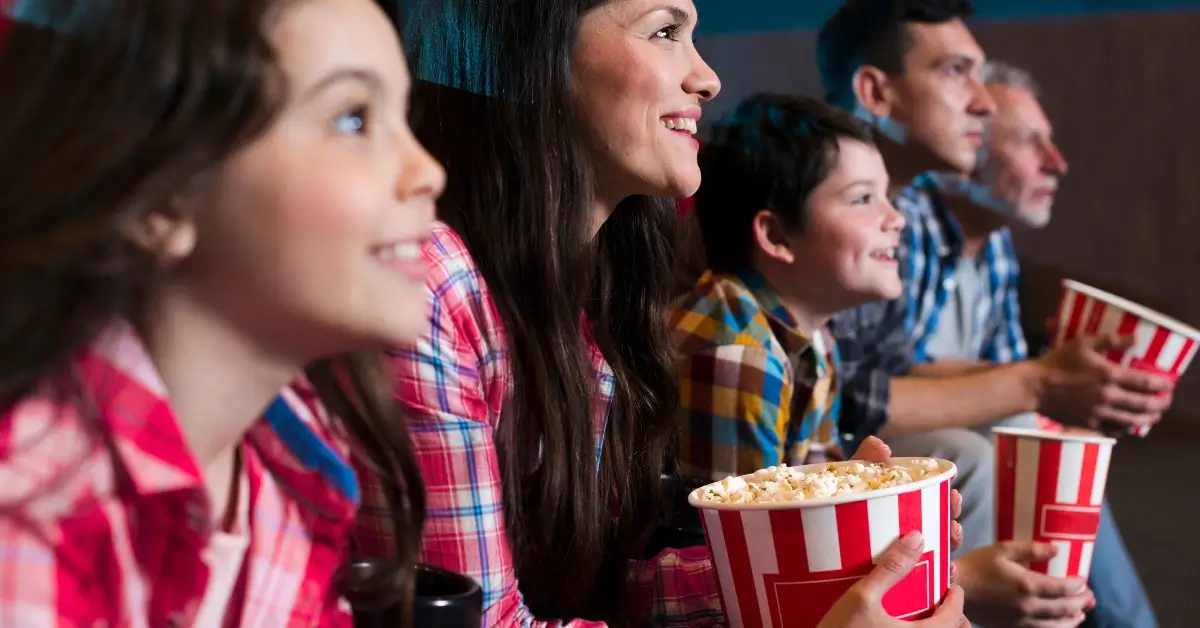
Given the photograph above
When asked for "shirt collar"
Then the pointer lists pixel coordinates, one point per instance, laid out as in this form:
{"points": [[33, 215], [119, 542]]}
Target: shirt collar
{"points": [[131, 400], [950, 234], [783, 324]]}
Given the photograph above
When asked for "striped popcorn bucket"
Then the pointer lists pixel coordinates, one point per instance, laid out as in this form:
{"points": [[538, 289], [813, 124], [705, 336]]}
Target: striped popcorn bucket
{"points": [[1049, 488], [1162, 344], [784, 564]]}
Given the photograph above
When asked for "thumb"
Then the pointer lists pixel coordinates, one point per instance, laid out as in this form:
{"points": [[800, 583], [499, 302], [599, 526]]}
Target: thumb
{"points": [[1026, 552], [872, 450], [892, 566], [949, 612]]}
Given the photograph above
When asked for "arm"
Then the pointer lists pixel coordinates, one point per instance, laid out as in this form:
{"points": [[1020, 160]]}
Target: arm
{"points": [[446, 401], [949, 367], [969, 400], [735, 405], [882, 396], [873, 347], [675, 588]]}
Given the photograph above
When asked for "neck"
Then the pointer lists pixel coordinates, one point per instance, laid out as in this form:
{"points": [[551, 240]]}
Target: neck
{"points": [[601, 209], [808, 317], [218, 380], [904, 160]]}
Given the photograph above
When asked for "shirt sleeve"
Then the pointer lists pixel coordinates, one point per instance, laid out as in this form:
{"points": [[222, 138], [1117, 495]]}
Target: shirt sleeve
{"points": [[439, 384], [874, 347], [735, 405], [676, 588]]}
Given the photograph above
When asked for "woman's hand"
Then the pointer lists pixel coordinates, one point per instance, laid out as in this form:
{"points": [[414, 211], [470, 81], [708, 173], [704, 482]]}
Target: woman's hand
{"points": [[874, 450], [862, 605], [1001, 590]]}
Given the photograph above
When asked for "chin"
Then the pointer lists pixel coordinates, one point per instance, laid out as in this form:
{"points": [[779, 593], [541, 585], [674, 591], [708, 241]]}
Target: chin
{"points": [[404, 326], [681, 184], [889, 291]]}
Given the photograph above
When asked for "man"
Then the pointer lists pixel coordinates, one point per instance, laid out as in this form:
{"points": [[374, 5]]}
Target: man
{"points": [[1015, 182], [913, 69]]}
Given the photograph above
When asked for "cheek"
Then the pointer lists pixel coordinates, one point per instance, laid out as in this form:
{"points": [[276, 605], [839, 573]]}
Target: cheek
{"points": [[307, 222]]}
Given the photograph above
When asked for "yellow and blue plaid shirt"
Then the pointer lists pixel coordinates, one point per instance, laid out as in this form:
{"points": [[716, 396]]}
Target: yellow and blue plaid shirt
{"points": [[756, 391]]}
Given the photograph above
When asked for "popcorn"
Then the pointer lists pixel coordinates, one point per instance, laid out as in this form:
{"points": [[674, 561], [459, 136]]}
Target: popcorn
{"points": [[784, 483]]}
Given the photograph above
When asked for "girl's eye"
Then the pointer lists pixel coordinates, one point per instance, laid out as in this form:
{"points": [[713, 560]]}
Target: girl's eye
{"points": [[352, 122]]}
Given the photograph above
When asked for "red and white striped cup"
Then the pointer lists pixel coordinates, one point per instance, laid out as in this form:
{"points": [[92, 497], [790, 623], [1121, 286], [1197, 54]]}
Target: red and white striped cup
{"points": [[784, 564], [1049, 488], [1162, 344]]}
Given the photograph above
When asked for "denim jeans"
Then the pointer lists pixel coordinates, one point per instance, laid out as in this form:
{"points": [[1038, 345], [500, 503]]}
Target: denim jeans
{"points": [[1121, 600]]}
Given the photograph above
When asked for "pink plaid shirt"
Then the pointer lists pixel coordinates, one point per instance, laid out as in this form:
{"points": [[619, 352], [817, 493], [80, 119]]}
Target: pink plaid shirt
{"points": [[91, 538], [452, 384]]}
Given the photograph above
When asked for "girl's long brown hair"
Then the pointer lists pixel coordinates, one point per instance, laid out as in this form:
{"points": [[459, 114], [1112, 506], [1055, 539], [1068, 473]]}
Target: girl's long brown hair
{"points": [[509, 137], [109, 108]]}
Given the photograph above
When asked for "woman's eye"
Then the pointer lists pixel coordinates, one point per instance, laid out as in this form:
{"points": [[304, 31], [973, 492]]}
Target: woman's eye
{"points": [[668, 32]]}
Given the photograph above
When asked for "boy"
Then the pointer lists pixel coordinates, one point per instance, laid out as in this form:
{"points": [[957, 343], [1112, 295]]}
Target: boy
{"points": [[796, 222]]}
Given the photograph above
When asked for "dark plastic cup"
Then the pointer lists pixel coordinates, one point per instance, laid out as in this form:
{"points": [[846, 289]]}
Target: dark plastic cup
{"points": [[442, 597]]}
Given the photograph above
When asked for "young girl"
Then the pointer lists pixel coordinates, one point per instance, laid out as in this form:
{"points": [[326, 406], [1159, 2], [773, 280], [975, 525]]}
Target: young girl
{"points": [[198, 198], [544, 396]]}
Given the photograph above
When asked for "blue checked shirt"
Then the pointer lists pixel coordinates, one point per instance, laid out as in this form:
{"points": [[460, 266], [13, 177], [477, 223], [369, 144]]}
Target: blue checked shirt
{"points": [[883, 339]]}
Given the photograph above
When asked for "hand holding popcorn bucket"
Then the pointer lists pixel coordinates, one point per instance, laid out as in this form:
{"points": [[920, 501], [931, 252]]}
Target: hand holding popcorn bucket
{"points": [[1050, 488], [1162, 345], [785, 555]]}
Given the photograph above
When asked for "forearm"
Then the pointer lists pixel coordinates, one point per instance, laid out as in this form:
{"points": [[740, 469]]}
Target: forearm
{"points": [[950, 368], [919, 404]]}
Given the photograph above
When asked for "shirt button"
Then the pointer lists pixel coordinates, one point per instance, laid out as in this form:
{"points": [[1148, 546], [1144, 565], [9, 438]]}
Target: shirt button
{"points": [[197, 518]]}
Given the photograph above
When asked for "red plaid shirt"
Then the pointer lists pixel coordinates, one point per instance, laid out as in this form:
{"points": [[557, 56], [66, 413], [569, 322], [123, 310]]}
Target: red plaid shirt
{"points": [[89, 537], [452, 384]]}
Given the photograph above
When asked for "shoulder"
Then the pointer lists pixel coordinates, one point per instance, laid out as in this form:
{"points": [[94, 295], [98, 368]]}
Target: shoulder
{"points": [[716, 311], [459, 296], [55, 464]]}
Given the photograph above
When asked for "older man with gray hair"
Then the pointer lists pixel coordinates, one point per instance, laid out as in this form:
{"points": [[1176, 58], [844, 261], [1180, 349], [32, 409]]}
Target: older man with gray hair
{"points": [[1015, 181]]}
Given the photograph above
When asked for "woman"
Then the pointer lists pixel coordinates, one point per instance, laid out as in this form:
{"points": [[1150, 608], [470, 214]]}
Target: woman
{"points": [[544, 395], [199, 198]]}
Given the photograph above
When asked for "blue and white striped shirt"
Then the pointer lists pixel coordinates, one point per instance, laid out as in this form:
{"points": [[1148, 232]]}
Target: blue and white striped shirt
{"points": [[930, 254]]}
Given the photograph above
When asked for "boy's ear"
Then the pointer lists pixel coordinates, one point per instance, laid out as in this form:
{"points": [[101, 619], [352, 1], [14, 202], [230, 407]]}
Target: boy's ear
{"points": [[770, 238]]}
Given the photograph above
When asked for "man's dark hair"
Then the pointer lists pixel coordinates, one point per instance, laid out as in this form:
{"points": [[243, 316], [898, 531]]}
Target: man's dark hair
{"points": [[769, 153], [874, 32]]}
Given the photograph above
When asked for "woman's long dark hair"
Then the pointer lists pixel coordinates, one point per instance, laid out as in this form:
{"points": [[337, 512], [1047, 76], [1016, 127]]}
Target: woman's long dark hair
{"points": [[110, 107], [510, 138]]}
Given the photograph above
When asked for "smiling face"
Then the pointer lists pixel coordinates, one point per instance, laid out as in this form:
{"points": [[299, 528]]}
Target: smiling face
{"points": [[309, 237], [639, 82], [1020, 165], [846, 254]]}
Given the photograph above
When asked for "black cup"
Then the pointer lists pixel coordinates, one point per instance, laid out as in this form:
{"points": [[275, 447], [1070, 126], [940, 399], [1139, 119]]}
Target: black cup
{"points": [[446, 598], [442, 598]]}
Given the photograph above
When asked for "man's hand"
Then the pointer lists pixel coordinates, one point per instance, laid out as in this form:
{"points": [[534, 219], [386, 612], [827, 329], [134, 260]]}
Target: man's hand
{"points": [[874, 450], [1002, 591], [1077, 385], [862, 605]]}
